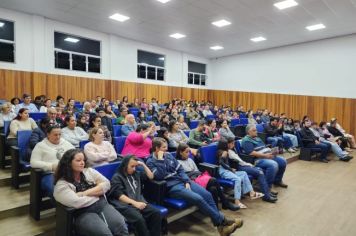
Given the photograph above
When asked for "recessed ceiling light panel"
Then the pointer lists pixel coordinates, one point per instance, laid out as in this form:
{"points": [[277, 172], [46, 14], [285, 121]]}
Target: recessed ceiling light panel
{"points": [[258, 39], [177, 36], [315, 27], [163, 1], [221, 23], [285, 4], [217, 47], [119, 17]]}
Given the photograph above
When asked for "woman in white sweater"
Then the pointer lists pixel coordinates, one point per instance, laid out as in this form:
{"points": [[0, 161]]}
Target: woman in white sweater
{"points": [[46, 155], [84, 189], [6, 114], [72, 133], [98, 151], [21, 122]]}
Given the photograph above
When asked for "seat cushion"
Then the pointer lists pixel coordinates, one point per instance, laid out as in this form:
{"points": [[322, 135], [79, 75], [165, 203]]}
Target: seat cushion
{"points": [[162, 210], [175, 203], [226, 182]]}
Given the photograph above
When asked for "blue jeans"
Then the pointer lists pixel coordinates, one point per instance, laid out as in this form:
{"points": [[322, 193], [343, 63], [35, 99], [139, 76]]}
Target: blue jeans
{"points": [[47, 185], [275, 141], [257, 173], [274, 169], [325, 148], [241, 181], [336, 149], [200, 197], [293, 139]]}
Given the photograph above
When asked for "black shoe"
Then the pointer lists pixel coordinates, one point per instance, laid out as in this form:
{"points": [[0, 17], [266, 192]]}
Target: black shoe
{"points": [[270, 199], [273, 193], [281, 184], [345, 159], [230, 206], [324, 161], [350, 157]]}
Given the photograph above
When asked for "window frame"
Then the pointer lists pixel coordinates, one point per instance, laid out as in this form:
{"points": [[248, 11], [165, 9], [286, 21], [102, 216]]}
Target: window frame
{"points": [[153, 66], [10, 42], [86, 55], [196, 73]]}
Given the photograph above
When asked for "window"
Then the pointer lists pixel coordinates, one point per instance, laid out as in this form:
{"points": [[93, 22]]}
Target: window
{"points": [[76, 53], [7, 41], [150, 65], [196, 73]]}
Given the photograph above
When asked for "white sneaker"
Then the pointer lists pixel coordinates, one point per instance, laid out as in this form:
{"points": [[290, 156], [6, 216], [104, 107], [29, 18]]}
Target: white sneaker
{"points": [[291, 150]]}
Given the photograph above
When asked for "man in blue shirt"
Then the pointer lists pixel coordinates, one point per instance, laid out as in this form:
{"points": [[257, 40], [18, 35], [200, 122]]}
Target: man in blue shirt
{"points": [[26, 104], [273, 166]]}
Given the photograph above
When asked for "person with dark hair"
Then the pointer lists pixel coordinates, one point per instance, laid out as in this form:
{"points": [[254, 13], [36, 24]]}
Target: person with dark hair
{"points": [[105, 120], [21, 122], [123, 113], [84, 189], [14, 102], [47, 103], [250, 169], [95, 121], [129, 126], [197, 138], [350, 138], [211, 132], [72, 133], [99, 151], [163, 133], [38, 102], [82, 121], [225, 131], [26, 104], [309, 140], [37, 135], [139, 143], [60, 100], [164, 121], [203, 179], [242, 184], [46, 155], [274, 133], [165, 167], [126, 196], [141, 118]]}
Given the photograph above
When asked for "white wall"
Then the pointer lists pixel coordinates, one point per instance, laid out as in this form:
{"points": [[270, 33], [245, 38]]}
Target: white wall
{"points": [[34, 37], [320, 68]]}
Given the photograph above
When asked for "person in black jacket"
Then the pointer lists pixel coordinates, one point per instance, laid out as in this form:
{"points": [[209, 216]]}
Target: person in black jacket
{"points": [[126, 196], [309, 140], [105, 120], [274, 131]]}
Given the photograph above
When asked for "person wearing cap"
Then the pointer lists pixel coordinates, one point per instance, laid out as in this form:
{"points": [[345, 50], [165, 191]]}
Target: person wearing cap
{"points": [[26, 104], [350, 138]]}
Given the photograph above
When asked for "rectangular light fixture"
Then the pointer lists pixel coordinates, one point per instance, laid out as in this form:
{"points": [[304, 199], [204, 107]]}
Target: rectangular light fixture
{"points": [[2, 24], [217, 47], [177, 36], [315, 27], [72, 40], [285, 4], [119, 17], [221, 23], [163, 1], [258, 39]]}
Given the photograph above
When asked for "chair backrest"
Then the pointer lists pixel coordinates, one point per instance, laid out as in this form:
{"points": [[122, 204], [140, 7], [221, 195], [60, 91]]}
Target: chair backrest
{"points": [[242, 115], [243, 121], [79, 106], [299, 137], [260, 128], [6, 127], [208, 153], [23, 140], [187, 132], [193, 124], [135, 113], [37, 115], [82, 144], [116, 129], [210, 117], [174, 154], [238, 146], [108, 170], [234, 122], [119, 143]]}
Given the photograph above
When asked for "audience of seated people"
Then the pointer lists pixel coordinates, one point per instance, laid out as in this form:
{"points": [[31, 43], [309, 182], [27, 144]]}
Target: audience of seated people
{"points": [[84, 189], [268, 168], [165, 167], [99, 151]]}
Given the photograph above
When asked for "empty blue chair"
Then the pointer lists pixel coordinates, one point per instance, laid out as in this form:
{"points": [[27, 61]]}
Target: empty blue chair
{"points": [[119, 143], [36, 116], [116, 129], [193, 124], [82, 144]]}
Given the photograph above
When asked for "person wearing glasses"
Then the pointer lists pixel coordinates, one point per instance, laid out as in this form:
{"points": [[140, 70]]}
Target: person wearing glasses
{"points": [[46, 155]]}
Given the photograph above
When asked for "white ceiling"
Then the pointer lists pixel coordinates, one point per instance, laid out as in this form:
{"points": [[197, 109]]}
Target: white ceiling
{"points": [[152, 22]]}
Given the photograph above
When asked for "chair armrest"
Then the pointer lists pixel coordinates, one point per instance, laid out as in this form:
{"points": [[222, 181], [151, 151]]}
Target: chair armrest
{"points": [[64, 220], [35, 193], [155, 191], [248, 158], [15, 166], [211, 168]]}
